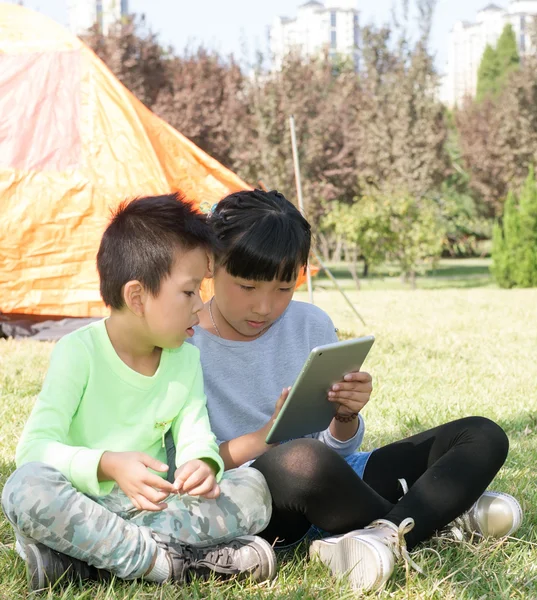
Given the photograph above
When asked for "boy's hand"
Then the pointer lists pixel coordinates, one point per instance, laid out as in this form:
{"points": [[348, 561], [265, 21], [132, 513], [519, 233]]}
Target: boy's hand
{"points": [[196, 478], [130, 471], [353, 393]]}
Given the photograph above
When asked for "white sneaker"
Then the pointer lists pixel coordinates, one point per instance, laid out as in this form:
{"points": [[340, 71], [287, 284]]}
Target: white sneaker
{"points": [[494, 514], [367, 555]]}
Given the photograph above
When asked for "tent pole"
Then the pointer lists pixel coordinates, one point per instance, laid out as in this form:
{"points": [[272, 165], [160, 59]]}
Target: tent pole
{"points": [[335, 282], [301, 207], [299, 194]]}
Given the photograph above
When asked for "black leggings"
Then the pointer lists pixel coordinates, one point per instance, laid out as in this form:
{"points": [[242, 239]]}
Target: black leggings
{"points": [[447, 468]]}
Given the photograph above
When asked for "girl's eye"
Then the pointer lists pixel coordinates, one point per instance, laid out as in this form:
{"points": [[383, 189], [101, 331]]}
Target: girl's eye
{"points": [[247, 287], [289, 289]]}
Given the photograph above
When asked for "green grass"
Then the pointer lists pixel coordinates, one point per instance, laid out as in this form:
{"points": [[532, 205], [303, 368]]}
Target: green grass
{"points": [[439, 355], [449, 273]]}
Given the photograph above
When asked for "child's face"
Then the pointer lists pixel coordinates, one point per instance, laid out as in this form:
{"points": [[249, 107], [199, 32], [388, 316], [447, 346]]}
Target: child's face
{"points": [[250, 307], [171, 314]]}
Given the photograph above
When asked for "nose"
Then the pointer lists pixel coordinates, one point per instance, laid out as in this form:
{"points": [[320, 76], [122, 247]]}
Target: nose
{"points": [[198, 304], [262, 307]]}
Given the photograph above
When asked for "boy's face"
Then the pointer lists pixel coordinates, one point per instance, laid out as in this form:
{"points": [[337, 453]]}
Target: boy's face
{"points": [[250, 307], [171, 314]]}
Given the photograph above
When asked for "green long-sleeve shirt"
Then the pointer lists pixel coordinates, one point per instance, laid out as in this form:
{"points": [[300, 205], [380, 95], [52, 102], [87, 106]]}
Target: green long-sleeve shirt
{"points": [[91, 402]]}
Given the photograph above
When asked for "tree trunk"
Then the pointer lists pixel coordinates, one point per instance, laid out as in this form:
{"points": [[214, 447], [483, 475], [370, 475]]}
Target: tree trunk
{"points": [[365, 271], [336, 256], [324, 246], [352, 265]]}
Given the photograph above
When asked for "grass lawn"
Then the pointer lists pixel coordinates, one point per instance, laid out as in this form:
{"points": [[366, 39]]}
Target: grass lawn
{"points": [[440, 354], [449, 273]]}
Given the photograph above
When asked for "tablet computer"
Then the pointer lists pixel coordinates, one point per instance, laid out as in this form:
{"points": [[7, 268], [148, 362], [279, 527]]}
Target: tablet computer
{"points": [[307, 409]]}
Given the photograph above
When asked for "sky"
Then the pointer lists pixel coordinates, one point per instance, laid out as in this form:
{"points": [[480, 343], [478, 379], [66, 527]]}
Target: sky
{"points": [[240, 26]]}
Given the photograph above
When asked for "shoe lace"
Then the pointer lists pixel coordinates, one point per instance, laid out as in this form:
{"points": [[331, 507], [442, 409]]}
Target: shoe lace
{"points": [[397, 539], [462, 527], [220, 558], [223, 557]]}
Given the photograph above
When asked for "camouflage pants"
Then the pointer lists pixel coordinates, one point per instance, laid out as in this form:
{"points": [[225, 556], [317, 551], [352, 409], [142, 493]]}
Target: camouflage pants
{"points": [[109, 533]]}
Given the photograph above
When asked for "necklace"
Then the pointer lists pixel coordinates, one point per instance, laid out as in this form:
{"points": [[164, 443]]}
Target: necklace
{"points": [[212, 318], [216, 328]]}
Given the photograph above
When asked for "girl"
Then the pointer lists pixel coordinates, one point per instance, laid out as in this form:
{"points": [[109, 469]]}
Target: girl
{"points": [[253, 340]]}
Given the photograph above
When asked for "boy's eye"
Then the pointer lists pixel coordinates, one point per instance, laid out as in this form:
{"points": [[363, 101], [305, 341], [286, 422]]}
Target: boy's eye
{"points": [[189, 294]]}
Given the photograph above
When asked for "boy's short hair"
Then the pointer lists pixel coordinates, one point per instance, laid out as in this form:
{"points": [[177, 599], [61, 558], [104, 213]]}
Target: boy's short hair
{"points": [[141, 241], [262, 236]]}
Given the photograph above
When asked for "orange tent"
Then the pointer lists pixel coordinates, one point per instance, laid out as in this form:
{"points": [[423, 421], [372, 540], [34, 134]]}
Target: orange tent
{"points": [[73, 143]]}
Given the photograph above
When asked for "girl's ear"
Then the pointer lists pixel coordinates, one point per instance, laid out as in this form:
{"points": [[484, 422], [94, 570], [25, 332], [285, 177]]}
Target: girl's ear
{"points": [[134, 295], [210, 265]]}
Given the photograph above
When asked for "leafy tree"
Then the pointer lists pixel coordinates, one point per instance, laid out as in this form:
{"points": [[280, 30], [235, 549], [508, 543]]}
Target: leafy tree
{"points": [[418, 232], [507, 55], [497, 64], [498, 138], [134, 54], [390, 225], [364, 228], [488, 74], [205, 100], [515, 239]]}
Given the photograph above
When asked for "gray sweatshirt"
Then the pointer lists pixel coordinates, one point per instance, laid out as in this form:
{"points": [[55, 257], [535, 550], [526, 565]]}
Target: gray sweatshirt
{"points": [[243, 380]]}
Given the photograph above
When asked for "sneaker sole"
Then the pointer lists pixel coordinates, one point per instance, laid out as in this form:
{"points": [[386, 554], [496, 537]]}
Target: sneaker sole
{"points": [[35, 571], [268, 570], [353, 557]]}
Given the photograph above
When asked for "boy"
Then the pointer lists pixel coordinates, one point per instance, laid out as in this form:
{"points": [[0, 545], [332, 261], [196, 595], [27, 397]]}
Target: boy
{"points": [[90, 495]]}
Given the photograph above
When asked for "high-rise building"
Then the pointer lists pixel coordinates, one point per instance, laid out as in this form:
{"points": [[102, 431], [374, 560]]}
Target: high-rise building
{"points": [[468, 42], [331, 26], [84, 14]]}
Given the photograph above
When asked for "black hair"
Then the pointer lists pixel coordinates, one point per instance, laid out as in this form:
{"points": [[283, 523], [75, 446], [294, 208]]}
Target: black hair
{"points": [[141, 241], [262, 236]]}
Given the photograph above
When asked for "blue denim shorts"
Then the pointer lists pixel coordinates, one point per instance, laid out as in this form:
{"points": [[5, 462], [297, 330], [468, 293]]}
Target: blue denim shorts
{"points": [[358, 462]]}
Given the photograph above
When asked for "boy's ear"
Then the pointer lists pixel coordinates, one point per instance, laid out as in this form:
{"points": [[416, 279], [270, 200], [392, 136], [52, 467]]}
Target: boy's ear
{"points": [[134, 297]]}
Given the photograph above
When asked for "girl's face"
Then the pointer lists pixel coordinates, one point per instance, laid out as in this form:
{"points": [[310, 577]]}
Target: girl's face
{"points": [[250, 307]]}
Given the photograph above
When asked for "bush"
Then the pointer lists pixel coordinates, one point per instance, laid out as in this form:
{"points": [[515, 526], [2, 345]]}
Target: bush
{"points": [[514, 250]]}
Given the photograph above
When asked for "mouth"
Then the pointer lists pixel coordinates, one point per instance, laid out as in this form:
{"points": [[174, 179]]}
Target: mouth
{"points": [[257, 324], [190, 330]]}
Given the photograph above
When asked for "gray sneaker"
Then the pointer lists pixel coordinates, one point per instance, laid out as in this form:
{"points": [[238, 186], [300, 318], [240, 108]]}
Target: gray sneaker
{"points": [[246, 556], [46, 567], [494, 514]]}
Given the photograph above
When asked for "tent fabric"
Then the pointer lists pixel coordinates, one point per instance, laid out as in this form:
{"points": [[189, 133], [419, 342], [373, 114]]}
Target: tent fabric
{"points": [[74, 142]]}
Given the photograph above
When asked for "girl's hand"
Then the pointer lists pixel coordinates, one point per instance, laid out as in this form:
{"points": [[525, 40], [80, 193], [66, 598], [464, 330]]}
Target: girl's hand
{"points": [[279, 405], [353, 393]]}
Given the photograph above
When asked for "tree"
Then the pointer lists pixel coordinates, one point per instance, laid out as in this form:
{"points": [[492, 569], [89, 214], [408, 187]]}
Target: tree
{"points": [[365, 229], [401, 130], [324, 101], [418, 233], [497, 64], [488, 74], [390, 225], [205, 100], [507, 55], [514, 251], [133, 53], [498, 137]]}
